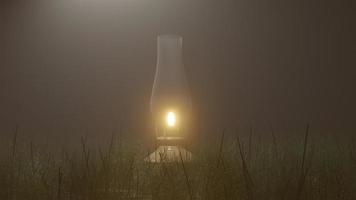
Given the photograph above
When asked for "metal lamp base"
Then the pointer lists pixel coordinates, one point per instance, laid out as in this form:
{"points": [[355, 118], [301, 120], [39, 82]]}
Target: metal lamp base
{"points": [[169, 153]]}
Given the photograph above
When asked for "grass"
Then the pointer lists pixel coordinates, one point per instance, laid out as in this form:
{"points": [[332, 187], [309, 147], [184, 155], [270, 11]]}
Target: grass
{"points": [[238, 166]]}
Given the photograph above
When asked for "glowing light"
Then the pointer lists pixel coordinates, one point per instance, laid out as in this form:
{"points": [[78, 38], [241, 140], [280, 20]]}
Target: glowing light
{"points": [[171, 119]]}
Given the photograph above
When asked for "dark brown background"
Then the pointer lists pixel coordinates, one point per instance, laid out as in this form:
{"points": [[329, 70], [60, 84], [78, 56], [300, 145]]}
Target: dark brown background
{"points": [[72, 66]]}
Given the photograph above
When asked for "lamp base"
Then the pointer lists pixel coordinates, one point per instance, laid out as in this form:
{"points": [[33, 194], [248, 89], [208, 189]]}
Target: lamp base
{"points": [[168, 154]]}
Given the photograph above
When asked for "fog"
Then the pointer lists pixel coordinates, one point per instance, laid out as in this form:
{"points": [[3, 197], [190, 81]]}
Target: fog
{"points": [[74, 67]]}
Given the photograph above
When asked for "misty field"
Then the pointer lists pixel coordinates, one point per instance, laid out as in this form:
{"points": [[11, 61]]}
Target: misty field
{"points": [[229, 166]]}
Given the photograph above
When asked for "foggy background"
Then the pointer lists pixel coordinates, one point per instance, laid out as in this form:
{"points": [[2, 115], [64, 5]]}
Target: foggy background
{"points": [[75, 67]]}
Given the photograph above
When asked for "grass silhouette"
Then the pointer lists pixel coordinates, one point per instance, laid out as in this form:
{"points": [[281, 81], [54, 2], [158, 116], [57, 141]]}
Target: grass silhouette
{"points": [[236, 166]]}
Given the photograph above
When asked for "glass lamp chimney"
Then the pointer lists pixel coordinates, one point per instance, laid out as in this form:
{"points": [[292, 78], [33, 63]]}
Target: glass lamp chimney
{"points": [[170, 100]]}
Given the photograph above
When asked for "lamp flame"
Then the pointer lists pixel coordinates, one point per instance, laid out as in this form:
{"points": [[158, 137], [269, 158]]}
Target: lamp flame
{"points": [[171, 119]]}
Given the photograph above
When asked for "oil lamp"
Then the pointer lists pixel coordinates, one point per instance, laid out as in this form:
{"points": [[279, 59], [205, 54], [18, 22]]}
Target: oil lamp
{"points": [[170, 104]]}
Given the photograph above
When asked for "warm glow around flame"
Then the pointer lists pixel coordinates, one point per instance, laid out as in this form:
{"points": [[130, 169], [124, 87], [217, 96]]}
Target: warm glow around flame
{"points": [[171, 119]]}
